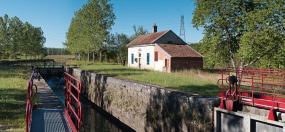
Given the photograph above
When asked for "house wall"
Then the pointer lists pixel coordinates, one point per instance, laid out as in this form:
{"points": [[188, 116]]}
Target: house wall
{"points": [[159, 65], [182, 63], [144, 50], [170, 36]]}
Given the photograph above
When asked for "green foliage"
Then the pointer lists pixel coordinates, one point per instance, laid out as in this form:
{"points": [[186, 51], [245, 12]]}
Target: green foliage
{"points": [[17, 37], [138, 31], [241, 32], [117, 43], [196, 46], [89, 27]]}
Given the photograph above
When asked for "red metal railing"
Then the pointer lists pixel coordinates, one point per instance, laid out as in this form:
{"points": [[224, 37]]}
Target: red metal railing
{"points": [[257, 87], [29, 106], [72, 108]]}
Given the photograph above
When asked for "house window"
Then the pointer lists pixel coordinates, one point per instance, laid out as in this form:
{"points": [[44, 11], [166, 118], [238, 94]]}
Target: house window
{"points": [[147, 58], [132, 58], [155, 56]]}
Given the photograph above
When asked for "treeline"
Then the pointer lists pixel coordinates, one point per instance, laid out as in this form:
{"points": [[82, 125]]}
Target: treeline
{"points": [[57, 51], [20, 38]]}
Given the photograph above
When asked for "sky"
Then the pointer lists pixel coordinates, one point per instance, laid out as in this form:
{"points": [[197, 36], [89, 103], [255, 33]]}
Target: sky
{"points": [[54, 16]]}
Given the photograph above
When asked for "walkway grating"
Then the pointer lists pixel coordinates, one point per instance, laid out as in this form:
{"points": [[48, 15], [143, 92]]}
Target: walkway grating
{"points": [[49, 120]]}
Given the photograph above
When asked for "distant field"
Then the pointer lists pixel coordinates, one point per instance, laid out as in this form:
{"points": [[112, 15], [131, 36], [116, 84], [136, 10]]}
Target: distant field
{"points": [[60, 56]]}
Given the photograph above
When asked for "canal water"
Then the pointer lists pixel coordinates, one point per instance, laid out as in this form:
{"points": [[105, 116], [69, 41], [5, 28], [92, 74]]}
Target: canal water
{"points": [[94, 118]]}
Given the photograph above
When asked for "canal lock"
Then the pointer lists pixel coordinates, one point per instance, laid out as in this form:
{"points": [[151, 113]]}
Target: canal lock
{"points": [[94, 118]]}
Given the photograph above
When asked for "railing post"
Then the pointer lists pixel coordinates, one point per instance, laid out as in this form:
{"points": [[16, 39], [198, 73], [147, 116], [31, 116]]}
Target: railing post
{"points": [[252, 88], [222, 80], [262, 81]]}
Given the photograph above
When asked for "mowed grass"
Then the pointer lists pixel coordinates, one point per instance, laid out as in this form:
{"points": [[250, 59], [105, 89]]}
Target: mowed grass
{"points": [[13, 98], [193, 81]]}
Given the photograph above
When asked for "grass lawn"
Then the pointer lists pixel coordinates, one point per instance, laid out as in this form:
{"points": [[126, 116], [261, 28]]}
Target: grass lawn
{"points": [[13, 98], [199, 82]]}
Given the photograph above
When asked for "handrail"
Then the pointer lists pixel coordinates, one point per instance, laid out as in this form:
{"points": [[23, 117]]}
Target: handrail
{"points": [[257, 87], [29, 106], [71, 86]]}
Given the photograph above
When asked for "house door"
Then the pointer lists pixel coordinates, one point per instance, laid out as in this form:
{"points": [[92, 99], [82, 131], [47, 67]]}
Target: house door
{"points": [[140, 63], [140, 60]]}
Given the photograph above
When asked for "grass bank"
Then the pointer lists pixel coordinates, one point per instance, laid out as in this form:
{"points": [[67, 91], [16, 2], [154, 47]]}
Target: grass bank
{"points": [[13, 98], [193, 81]]}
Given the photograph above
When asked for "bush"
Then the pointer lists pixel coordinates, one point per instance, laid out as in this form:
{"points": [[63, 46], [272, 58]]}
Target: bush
{"points": [[3, 56], [11, 57], [42, 55]]}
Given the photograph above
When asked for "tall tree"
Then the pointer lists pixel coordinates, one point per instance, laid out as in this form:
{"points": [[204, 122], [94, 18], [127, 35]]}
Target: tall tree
{"points": [[240, 32], [90, 27], [16, 34], [4, 34]]}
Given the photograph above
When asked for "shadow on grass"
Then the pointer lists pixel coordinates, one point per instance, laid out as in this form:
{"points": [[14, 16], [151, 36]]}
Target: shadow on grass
{"points": [[18, 72], [12, 104]]}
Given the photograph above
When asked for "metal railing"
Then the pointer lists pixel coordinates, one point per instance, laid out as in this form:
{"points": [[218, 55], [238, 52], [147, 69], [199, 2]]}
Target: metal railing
{"points": [[256, 87], [30, 106], [72, 110]]}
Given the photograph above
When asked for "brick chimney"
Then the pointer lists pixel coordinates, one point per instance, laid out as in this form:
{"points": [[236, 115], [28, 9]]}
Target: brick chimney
{"points": [[154, 28]]}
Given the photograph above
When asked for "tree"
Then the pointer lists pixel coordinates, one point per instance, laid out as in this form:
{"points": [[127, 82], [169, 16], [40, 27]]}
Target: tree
{"points": [[117, 42], [17, 37], [90, 27], [196, 46], [26, 46], [138, 31], [240, 32], [16, 33], [4, 34]]}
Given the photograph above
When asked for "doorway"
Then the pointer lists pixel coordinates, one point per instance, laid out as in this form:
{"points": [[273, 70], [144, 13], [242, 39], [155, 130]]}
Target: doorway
{"points": [[140, 61]]}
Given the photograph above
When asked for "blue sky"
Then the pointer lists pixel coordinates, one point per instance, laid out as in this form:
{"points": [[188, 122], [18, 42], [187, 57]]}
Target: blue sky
{"points": [[54, 16]]}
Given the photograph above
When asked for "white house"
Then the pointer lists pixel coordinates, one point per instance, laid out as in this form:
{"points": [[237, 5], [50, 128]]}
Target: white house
{"points": [[162, 51]]}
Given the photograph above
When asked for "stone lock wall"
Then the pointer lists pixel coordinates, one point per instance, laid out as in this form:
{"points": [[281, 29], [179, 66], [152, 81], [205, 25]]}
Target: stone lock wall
{"points": [[146, 107]]}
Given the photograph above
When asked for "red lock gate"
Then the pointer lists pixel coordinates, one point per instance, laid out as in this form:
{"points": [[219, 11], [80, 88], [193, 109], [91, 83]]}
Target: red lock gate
{"points": [[262, 88]]}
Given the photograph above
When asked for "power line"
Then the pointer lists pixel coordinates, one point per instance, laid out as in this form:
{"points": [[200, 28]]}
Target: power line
{"points": [[182, 29]]}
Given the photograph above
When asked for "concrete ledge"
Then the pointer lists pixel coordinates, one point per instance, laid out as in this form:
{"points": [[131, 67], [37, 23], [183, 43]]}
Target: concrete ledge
{"points": [[226, 121]]}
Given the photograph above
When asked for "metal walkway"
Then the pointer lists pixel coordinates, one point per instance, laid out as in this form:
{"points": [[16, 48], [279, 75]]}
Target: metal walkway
{"points": [[50, 117], [49, 120], [53, 117]]}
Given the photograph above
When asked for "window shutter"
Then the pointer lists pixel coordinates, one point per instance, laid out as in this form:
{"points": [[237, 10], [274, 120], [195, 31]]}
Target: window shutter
{"points": [[132, 58], [147, 59], [155, 56]]}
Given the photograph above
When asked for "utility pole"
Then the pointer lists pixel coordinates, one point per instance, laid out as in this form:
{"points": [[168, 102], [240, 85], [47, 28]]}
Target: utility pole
{"points": [[182, 29]]}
